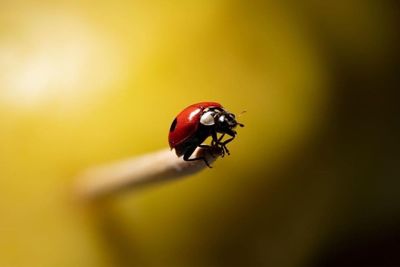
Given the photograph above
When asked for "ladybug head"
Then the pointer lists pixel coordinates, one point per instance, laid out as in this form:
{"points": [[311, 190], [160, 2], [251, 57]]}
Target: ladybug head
{"points": [[222, 120]]}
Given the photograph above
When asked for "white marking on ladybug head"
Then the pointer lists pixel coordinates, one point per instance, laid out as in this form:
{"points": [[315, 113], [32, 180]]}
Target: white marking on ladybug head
{"points": [[207, 118], [221, 118], [194, 113]]}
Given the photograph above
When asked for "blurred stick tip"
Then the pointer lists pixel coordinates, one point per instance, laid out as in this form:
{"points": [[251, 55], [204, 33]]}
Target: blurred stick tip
{"points": [[137, 172]]}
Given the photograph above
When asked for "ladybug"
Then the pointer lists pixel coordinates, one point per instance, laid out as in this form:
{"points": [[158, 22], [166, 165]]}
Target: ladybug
{"points": [[196, 123]]}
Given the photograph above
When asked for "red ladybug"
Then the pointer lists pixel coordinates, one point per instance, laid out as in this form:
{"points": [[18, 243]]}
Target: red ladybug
{"points": [[197, 122]]}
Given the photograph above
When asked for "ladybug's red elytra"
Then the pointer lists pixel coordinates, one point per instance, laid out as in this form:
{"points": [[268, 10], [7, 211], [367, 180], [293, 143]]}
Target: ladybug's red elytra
{"points": [[196, 123]]}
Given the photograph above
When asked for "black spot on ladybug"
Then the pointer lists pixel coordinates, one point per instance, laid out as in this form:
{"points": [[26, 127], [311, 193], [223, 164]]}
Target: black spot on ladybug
{"points": [[173, 125]]}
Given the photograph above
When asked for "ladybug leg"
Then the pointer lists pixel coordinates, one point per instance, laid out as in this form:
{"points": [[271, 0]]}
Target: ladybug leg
{"points": [[186, 157], [217, 142], [223, 144], [214, 141], [220, 138], [226, 142]]}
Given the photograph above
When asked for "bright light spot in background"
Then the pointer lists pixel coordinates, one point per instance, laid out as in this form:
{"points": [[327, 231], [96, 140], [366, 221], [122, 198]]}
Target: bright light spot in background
{"points": [[55, 57]]}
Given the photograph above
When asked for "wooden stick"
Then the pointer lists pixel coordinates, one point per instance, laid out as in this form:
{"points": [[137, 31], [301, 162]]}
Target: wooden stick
{"points": [[137, 172]]}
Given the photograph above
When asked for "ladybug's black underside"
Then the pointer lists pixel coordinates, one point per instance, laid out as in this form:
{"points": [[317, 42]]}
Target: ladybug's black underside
{"points": [[189, 146]]}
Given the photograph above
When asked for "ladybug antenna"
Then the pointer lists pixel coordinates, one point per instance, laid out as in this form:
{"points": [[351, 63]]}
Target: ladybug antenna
{"points": [[241, 113]]}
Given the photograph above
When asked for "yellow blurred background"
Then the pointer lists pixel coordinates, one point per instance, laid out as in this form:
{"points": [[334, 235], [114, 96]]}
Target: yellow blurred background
{"points": [[312, 179]]}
